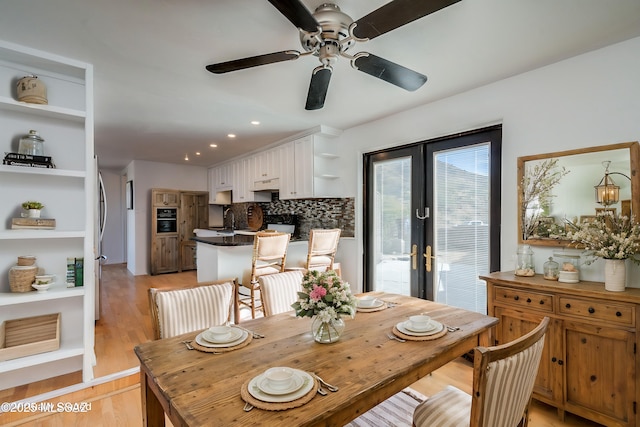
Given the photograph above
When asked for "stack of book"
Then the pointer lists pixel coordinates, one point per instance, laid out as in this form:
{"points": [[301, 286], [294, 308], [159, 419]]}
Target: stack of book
{"points": [[75, 272], [30, 160]]}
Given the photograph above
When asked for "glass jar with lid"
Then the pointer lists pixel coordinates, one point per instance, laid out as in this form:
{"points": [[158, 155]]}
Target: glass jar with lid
{"points": [[569, 267], [31, 144], [551, 269], [524, 261]]}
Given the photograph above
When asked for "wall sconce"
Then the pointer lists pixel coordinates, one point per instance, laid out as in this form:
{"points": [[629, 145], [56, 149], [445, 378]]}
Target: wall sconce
{"points": [[607, 192]]}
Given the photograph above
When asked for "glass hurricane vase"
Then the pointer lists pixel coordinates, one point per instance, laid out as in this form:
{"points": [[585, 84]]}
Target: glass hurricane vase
{"points": [[327, 332]]}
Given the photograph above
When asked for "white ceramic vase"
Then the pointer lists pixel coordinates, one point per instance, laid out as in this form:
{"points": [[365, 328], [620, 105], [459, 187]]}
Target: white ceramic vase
{"points": [[34, 213], [615, 275]]}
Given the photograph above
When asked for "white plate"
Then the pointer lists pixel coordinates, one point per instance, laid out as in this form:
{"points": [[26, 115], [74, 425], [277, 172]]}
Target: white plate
{"points": [[234, 334], [296, 383], [306, 387], [200, 340], [376, 304], [430, 327], [439, 326]]}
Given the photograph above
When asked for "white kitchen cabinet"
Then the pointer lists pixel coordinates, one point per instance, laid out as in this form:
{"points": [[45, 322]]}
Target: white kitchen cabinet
{"points": [[308, 169], [220, 179], [266, 165], [69, 195], [243, 182]]}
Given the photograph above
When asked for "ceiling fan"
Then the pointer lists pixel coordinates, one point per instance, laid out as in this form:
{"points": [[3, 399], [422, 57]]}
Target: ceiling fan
{"points": [[328, 33]]}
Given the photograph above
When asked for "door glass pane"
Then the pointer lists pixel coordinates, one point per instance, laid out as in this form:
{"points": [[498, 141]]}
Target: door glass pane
{"points": [[392, 225], [461, 226]]}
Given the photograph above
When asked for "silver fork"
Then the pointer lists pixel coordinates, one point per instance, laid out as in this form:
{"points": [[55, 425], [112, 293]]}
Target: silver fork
{"points": [[188, 344], [393, 337], [324, 383], [247, 407]]}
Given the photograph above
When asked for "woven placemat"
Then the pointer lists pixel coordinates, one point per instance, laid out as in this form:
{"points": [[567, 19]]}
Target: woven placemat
{"points": [[277, 406], [371, 310], [399, 334], [244, 343]]}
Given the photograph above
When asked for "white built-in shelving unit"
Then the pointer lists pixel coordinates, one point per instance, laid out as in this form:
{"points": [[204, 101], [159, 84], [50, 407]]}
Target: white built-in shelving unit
{"points": [[69, 195]]}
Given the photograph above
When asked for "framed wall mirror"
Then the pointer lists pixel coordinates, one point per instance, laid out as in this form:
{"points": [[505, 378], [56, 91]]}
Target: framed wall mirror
{"points": [[556, 190]]}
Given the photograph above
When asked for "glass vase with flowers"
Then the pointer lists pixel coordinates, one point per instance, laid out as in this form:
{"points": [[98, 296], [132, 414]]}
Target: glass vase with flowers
{"points": [[325, 297]]}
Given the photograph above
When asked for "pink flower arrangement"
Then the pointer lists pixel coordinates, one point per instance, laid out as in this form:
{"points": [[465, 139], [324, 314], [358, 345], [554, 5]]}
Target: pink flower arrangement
{"points": [[324, 295]]}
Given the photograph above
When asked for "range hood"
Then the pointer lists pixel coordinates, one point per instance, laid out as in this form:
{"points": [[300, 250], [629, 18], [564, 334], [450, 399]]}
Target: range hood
{"points": [[272, 185], [222, 198]]}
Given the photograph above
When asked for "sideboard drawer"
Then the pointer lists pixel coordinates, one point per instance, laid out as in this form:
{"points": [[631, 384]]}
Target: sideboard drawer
{"points": [[520, 298], [622, 314]]}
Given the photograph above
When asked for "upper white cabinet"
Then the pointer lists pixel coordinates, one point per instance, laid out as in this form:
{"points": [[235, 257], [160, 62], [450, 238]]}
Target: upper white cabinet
{"points": [[243, 173], [220, 179], [308, 169], [266, 168], [69, 195]]}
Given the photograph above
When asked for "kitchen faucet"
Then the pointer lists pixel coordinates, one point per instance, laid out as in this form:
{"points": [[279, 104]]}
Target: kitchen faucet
{"points": [[233, 217]]}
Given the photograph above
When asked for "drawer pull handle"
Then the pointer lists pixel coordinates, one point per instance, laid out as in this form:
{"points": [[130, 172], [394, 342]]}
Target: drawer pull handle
{"points": [[528, 299], [592, 310], [618, 314], [560, 362], [554, 360], [593, 378], [516, 298], [541, 302], [568, 305]]}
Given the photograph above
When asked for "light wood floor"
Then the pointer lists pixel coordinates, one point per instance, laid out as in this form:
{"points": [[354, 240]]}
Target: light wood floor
{"points": [[125, 323]]}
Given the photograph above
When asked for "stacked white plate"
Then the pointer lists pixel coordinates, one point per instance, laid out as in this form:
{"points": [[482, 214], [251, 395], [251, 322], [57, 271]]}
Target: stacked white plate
{"points": [[301, 384], [432, 328], [236, 336], [376, 303]]}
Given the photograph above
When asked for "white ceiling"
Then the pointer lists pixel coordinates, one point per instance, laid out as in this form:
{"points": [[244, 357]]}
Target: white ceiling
{"points": [[155, 101]]}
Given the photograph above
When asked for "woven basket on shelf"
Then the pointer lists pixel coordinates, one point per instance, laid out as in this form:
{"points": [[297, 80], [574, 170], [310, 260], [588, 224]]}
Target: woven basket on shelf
{"points": [[22, 277], [26, 260]]}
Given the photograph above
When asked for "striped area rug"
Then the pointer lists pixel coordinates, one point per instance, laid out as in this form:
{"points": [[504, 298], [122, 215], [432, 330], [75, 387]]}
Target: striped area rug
{"points": [[396, 411]]}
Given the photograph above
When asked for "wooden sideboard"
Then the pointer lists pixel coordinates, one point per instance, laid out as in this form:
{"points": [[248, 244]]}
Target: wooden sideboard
{"points": [[589, 366]]}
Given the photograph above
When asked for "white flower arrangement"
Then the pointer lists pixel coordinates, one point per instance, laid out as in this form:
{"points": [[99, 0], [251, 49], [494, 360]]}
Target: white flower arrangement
{"points": [[609, 236]]}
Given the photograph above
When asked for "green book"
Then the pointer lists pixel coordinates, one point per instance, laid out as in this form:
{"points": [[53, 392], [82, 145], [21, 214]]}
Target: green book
{"points": [[79, 272]]}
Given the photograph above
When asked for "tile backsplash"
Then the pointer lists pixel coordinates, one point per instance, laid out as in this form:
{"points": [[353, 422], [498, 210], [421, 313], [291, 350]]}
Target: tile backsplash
{"points": [[312, 213]]}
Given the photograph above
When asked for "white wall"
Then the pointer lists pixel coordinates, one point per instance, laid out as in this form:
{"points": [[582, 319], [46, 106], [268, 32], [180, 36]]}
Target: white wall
{"points": [[589, 100], [113, 241], [145, 176]]}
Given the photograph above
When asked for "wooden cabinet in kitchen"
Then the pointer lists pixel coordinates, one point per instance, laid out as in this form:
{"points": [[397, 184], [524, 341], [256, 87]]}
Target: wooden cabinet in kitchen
{"points": [[307, 169], [172, 227], [194, 213], [166, 198], [589, 365], [68, 192]]}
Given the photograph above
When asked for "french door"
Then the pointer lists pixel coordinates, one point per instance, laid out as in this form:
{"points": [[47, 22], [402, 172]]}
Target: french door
{"points": [[432, 219]]}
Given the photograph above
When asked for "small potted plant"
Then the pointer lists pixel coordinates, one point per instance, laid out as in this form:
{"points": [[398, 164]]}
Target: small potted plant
{"points": [[33, 208]]}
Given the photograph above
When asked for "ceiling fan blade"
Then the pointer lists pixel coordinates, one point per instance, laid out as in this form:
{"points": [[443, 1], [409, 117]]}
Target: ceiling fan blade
{"points": [[389, 72], [318, 88], [396, 14], [297, 13], [253, 61]]}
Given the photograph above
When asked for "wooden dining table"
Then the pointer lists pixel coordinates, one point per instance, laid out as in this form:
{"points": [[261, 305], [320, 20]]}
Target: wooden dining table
{"points": [[195, 388]]}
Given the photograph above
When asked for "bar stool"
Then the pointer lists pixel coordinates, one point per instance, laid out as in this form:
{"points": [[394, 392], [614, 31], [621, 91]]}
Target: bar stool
{"points": [[269, 256], [323, 245]]}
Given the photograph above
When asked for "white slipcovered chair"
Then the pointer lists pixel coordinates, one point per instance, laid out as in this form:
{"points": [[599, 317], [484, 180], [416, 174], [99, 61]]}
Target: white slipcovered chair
{"points": [[279, 291], [323, 245], [503, 380], [178, 311]]}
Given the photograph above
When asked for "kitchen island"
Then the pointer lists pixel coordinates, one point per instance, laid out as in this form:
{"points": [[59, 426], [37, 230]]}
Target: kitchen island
{"points": [[230, 256]]}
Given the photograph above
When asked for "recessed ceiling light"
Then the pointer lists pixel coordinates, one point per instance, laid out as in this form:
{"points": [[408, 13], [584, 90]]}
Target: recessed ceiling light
{"points": [[255, 122], [213, 145], [197, 153], [186, 157], [231, 135]]}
